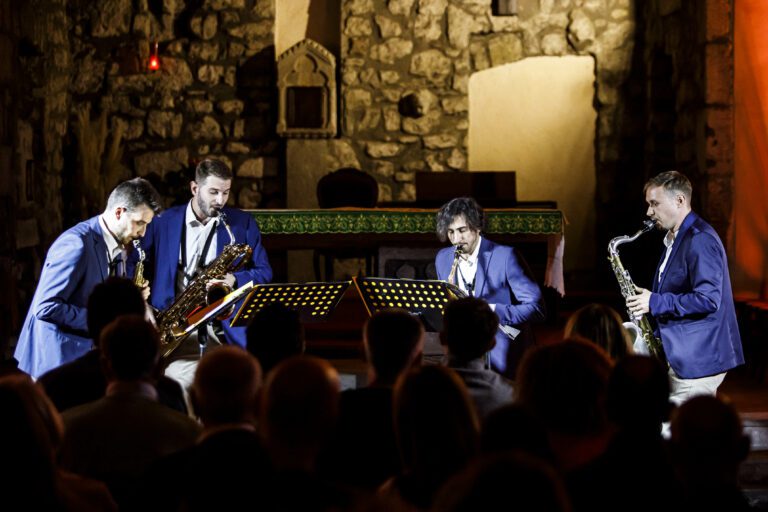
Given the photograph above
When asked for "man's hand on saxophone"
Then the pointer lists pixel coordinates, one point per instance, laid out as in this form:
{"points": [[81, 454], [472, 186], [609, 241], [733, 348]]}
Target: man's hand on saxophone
{"points": [[639, 304], [145, 291], [228, 280]]}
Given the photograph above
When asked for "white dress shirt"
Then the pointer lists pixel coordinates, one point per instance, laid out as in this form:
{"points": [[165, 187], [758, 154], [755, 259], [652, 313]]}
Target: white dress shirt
{"points": [[669, 241], [114, 249], [197, 234], [468, 269]]}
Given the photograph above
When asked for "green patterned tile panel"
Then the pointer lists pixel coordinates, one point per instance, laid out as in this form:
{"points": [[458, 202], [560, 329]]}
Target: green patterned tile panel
{"points": [[291, 222]]}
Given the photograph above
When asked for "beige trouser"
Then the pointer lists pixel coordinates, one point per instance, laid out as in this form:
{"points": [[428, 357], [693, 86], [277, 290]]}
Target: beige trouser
{"points": [[682, 390], [183, 362]]}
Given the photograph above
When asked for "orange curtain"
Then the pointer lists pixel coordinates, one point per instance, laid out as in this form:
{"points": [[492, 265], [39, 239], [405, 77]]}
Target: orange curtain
{"points": [[748, 241]]}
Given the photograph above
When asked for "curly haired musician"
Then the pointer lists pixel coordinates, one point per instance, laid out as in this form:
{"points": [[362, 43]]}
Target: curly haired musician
{"points": [[691, 298], [492, 272]]}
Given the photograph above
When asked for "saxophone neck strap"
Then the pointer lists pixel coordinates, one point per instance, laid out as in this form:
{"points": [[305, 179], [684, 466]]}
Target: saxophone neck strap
{"points": [[203, 252]]}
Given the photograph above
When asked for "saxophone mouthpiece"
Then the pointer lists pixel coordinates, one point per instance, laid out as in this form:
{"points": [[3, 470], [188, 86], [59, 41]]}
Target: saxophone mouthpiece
{"points": [[648, 225]]}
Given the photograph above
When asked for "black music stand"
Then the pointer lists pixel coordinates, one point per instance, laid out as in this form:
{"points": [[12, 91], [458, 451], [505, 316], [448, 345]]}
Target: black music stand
{"points": [[423, 298], [313, 301]]}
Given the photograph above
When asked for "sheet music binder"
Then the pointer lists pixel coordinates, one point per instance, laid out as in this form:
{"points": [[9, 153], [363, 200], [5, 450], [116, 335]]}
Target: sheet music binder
{"points": [[425, 298], [314, 301]]}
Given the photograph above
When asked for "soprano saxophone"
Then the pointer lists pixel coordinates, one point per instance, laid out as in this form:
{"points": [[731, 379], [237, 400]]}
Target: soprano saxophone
{"points": [[138, 275], [454, 266], [642, 323]]}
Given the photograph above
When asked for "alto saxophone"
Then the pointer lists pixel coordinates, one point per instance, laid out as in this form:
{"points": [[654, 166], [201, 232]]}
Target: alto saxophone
{"points": [[138, 275], [172, 322], [655, 347]]}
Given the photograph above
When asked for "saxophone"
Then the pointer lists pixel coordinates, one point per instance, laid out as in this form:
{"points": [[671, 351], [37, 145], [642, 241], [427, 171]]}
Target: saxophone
{"points": [[655, 347], [173, 321], [452, 274], [138, 275], [455, 265]]}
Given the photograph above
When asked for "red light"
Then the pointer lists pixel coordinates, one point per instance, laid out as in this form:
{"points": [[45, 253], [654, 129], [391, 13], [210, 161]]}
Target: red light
{"points": [[154, 60]]}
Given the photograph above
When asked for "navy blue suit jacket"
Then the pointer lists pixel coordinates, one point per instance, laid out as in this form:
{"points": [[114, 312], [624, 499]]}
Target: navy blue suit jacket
{"points": [[502, 279], [162, 243], [693, 304], [56, 328]]}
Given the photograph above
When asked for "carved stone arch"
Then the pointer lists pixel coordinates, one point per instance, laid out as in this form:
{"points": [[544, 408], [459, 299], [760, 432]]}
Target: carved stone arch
{"points": [[306, 81]]}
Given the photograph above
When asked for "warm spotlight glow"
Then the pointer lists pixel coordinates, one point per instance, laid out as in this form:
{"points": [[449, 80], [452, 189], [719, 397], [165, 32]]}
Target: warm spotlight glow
{"points": [[749, 232], [154, 59]]}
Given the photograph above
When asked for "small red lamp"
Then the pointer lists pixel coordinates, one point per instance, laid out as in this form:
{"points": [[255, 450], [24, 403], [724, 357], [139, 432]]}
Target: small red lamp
{"points": [[154, 59]]}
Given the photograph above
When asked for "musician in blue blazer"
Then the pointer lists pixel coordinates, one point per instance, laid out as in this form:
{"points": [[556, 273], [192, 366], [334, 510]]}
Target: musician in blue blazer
{"points": [[187, 238], [691, 297], [55, 330], [492, 272]]}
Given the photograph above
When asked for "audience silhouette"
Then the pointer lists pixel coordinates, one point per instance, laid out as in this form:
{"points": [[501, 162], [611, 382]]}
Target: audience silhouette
{"points": [[601, 325], [31, 432], [708, 445], [274, 334], [437, 433], [82, 380], [227, 469], [469, 334], [115, 438], [363, 452], [580, 432]]}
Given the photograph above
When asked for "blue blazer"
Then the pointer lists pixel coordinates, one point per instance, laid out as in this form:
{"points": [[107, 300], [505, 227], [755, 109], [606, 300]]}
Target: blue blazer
{"points": [[693, 304], [56, 328], [503, 279], [162, 243]]}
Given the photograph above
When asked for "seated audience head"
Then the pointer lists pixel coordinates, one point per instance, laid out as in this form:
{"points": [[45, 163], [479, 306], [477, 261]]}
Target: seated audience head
{"points": [[436, 425], [564, 385], [130, 349], [394, 341], [31, 431], [707, 442], [514, 428], [114, 297], [601, 325], [469, 329], [275, 333], [519, 481], [638, 394], [298, 411], [226, 385]]}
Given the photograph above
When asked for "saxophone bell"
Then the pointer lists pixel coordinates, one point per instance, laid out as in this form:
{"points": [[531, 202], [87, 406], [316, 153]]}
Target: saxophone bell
{"points": [[216, 292]]}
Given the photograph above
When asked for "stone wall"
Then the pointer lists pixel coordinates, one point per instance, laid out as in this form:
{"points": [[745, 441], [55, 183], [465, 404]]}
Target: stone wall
{"points": [[213, 95], [689, 57], [399, 52], [35, 115]]}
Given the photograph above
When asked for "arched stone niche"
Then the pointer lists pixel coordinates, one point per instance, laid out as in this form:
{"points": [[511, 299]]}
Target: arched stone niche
{"points": [[307, 91]]}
